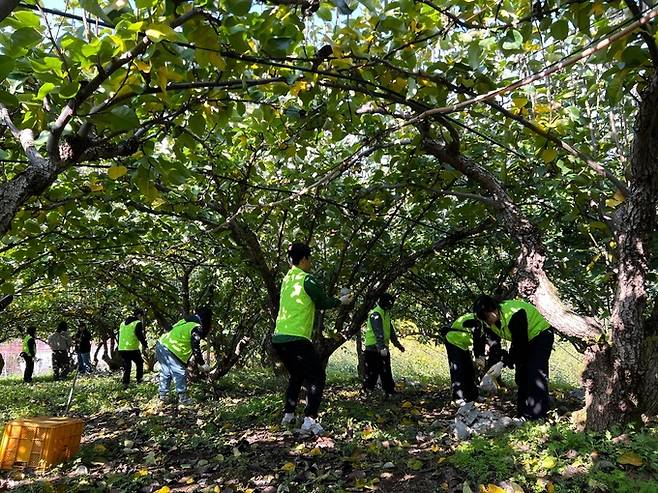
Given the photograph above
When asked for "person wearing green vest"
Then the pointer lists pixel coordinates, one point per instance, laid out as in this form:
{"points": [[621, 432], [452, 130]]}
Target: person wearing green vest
{"points": [[300, 296], [464, 333], [29, 353], [380, 331], [532, 342], [131, 335], [175, 348]]}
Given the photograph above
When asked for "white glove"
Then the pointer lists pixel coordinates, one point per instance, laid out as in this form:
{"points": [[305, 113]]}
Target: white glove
{"points": [[346, 299], [384, 352], [205, 368]]}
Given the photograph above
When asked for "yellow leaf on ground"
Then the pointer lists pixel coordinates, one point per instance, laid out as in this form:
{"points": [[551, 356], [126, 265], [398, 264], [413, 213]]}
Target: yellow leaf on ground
{"points": [[288, 467], [316, 451], [367, 433], [491, 488], [548, 462], [164, 489], [630, 458], [407, 405]]}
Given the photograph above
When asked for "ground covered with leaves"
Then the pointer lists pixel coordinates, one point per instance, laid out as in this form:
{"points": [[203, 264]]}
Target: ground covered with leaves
{"points": [[230, 441]]}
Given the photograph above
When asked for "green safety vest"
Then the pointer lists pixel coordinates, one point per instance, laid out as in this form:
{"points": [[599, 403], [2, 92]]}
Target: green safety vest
{"points": [[127, 337], [179, 339], [26, 346], [296, 308], [459, 335], [536, 322], [371, 338]]}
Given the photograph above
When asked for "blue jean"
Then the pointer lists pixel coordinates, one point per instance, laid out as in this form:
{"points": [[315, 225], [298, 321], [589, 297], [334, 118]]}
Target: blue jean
{"points": [[84, 362], [170, 368]]}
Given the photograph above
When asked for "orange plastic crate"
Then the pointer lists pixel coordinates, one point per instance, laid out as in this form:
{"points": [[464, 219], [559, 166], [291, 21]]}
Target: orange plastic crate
{"points": [[39, 442]]}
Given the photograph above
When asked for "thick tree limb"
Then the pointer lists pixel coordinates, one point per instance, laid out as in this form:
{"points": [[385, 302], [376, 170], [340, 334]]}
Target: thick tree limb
{"points": [[532, 282], [7, 7], [38, 176], [86, 91]]}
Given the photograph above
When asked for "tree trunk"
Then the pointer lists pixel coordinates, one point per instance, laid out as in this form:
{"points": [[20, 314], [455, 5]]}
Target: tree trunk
{"points": [[620, 380], [628, 362]]}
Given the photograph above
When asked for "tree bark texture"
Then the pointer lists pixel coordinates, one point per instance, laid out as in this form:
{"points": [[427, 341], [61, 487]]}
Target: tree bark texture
{"points": [[38, 176], [621, 379]]}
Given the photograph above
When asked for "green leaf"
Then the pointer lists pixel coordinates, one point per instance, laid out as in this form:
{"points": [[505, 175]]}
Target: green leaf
{"points": [[93, 8], [158, 32], [6, 66], [514, 40], [197, 123], [560, 29], [324, 13], [371, 6], [47, 64], [144, 180], [45, 89], [26, 37], [25, 18], [67, 91], [278, 46], [238, 7], [121, 118], [146, 4], [116, 172], [474, 55], [8, 99], [633, 56]]}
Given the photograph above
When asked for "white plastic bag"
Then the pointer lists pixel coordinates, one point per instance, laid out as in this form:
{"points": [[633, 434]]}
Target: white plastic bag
{"points": [[488, 384]]}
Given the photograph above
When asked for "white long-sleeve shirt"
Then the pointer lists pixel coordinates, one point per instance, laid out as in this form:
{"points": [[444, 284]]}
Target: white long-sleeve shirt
{"points": [[60, 341]]}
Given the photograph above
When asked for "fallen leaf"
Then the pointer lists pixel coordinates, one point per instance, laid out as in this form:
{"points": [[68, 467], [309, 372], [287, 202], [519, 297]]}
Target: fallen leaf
{"points": [[315, 452], [491, 488], [630, 458], [415, 464], [164, 489], [288, 467], [100, 449]]}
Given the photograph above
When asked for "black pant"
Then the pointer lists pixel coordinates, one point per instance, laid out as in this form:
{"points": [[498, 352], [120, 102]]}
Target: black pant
{"points": [[532, 377], [376, 367], [61, 364], [128, 357], [304, 366], [462, 373], [29, 368]]}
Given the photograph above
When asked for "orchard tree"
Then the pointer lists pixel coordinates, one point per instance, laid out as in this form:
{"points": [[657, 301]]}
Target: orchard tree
{"points": [[385, 133]]}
